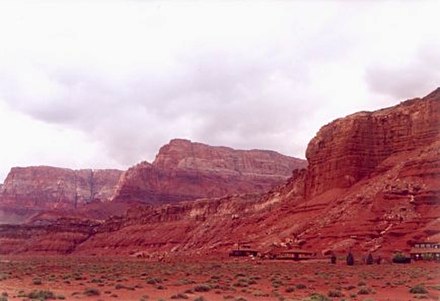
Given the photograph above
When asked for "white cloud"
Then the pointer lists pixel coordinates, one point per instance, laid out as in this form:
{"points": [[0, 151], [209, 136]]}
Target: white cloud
{"points": [[115, 80]]}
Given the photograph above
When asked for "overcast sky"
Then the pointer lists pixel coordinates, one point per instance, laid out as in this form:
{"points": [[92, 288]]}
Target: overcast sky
{"points": [[104, 84]]}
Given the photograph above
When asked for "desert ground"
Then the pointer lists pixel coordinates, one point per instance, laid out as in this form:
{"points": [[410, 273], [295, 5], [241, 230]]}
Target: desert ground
{"points": [[108, 278]]}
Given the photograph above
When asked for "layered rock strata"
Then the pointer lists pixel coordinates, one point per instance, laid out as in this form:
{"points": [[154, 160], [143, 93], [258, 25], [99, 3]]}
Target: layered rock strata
{"points": [[184, 170], [386, 202], [44, 187]]}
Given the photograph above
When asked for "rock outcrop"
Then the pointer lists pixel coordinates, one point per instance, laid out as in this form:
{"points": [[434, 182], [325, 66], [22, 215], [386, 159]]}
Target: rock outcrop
{"points": [[349, 149], [376, 192], [184, 170], [43, 188]]}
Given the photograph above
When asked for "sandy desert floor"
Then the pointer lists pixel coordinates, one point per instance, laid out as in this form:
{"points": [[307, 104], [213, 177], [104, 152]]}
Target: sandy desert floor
{"points": [[92, 278]]}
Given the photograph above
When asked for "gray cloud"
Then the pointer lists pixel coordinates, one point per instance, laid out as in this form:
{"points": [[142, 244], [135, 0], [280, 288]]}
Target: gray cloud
{"points": [[263, 76], [413, 78]]}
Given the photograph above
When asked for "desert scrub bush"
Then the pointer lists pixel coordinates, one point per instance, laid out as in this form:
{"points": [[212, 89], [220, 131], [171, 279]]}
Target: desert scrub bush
{"points": [[91, 291], [335, 293], [202, 288], [154, 280], [186, 281], [401, 258], [300, 286], [364, 291], [96, 280], [201, 298], [290, 289], [41, 295], [179, 296], [244, 282], [259, 293], [418, 289], [3, 298], [119, 286], [318, 297], [37, 281], [277, 283]]}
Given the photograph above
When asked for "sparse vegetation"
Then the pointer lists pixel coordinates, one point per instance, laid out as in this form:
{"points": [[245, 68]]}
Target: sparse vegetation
{"points": [[202, 288], [41, 295], [282, 281], [418, 289], [92, 292], [37, 281], [180, 296], [335, 293], [401, 258]]}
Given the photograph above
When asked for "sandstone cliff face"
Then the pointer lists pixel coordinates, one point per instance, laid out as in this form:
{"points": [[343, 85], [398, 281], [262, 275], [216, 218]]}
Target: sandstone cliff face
{"points": [[44, 187], [385, 205], [391, 198], [349, 149], [184, 170]]}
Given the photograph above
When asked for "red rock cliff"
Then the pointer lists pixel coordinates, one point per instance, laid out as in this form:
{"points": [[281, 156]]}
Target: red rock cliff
{"points": [[44, 187], [385, 206], [349, 149], [184, 170]]}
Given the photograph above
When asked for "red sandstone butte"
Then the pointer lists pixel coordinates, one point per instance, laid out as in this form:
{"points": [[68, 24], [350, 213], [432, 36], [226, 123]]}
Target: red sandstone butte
{"points": [[185, 170]]}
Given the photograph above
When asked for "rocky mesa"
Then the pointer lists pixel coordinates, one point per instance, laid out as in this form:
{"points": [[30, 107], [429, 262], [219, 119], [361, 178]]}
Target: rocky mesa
{"points": [[27, 190], [185, 170], [46, 187], [371, 184]]}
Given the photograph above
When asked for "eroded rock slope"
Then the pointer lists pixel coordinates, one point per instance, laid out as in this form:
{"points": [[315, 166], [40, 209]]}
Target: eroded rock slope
{"points": [[369, 190]]}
